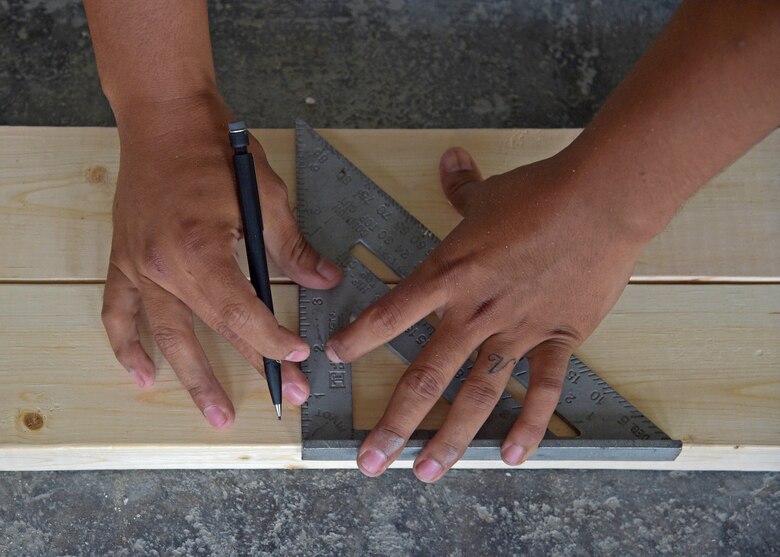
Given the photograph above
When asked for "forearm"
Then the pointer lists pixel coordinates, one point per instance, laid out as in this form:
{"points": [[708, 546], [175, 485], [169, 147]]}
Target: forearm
{"points": [[150, 52], [705, 92]]}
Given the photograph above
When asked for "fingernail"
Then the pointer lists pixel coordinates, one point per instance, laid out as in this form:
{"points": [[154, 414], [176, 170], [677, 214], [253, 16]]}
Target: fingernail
{"points": [[513, 454], [331, 354], [372, 462], [328, 270], [138, 378], [293, 393], [428, 470], [296, 356], [456, 159], [215, 416]]}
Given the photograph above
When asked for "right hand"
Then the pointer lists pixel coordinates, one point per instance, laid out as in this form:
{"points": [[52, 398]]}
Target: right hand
{"points": [[176, 225]]}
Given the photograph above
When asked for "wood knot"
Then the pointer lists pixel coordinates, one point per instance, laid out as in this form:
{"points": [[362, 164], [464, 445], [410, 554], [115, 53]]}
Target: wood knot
{"points": [[96, 174], [32, 420]]}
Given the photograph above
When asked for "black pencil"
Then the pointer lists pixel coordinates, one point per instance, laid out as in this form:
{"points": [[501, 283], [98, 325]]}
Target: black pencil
{"points": [[252, 217]]}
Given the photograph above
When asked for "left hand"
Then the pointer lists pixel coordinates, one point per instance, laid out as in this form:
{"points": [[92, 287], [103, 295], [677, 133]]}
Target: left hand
{"points": [[537, 262]]}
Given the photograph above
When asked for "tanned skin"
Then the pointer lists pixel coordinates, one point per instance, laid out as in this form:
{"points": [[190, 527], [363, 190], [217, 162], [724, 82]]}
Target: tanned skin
{"points": [[541, 256], [176, 214]]}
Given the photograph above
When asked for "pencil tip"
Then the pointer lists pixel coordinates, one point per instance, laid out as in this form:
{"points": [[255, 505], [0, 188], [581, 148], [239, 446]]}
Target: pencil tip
{"points": [[278, 411]]}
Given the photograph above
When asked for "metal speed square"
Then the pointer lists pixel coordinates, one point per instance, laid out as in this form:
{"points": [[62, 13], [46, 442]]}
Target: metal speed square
{"points": [[340, 207]]}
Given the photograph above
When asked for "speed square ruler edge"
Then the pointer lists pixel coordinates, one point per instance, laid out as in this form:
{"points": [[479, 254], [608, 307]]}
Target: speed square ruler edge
{"points": [[339, 207]]}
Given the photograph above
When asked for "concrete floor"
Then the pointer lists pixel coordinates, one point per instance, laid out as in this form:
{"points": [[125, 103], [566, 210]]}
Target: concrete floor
{"points": [[368, 63]]}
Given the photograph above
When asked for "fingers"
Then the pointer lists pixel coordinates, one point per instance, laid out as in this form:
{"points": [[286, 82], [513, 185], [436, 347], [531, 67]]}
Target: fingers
{"points": [[548, 365], [295, 387], [472, 406], [237, 311], [297, 258], [172, 329], [121, 304], [460, 177], [416, 393], [412, 300], [285, 243]]}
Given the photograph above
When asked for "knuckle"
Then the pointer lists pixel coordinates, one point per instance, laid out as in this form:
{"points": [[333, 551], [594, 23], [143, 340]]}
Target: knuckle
{"points": [[235, 315], [385, 317], [252, 356], [452, 452], [277, 189], [449, 270], [274, 192], [119, 351], [226, 332], [295, 246], [388, 436], [564, 336], [195, 240], [481, 394], [169, 339], [108, 316], [390, 433], [155, 263], [123, 352], [425, 382], [484, 311], [549, 386], [443, 269], [199, 389], [534, 430]]}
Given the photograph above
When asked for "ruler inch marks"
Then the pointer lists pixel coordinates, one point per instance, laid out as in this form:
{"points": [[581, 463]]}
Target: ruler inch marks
{"points": [[338, 206]]}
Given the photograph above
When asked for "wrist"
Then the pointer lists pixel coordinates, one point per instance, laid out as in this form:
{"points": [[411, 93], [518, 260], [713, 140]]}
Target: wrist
{"points": [[620, 187], [158, 85], [191, 115]]}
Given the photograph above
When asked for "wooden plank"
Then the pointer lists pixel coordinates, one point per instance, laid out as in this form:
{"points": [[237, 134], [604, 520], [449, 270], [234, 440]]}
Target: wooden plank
{"points": [[56, 187], [702, 361], [744, 458]]}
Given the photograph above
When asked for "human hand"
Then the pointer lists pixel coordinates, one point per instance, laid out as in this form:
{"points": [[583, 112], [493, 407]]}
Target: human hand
{"points": [[176, 224], [535, 265]]}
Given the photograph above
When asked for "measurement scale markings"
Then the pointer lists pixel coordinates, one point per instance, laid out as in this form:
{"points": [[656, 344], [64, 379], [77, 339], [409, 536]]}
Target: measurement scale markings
{"points": [[339, 207]]}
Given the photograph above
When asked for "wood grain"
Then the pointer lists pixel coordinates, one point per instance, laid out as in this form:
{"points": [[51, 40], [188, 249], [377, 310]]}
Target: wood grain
{"points": [[57, 184], [703, 361], [745, 458]]}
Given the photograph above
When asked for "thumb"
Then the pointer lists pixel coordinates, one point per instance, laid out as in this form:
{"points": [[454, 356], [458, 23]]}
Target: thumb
{"points": [[300, 261], [460, 177]]}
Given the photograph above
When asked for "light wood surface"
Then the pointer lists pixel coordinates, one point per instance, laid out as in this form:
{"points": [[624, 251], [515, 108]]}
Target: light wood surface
{"points": [[702, 361], [57, 184], [745, 458]]}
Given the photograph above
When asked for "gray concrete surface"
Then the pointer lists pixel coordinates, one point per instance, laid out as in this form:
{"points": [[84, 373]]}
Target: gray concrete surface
{"points": [[368, 63], [336, 513]]}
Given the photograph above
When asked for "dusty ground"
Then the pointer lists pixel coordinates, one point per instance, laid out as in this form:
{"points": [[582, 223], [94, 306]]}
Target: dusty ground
{"points": [[342, 513]]}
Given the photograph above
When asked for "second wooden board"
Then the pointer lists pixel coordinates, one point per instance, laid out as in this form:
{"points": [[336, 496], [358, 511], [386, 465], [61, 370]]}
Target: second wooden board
{"points": [[701, 361]]}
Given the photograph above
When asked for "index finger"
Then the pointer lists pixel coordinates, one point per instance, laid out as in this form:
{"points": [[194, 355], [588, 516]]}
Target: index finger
{"points": [[231, 297], [409, 302]]}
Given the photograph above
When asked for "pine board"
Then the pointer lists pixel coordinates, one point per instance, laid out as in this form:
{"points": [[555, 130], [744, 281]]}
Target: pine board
{"points": [[57, 184], [703, 361]]}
